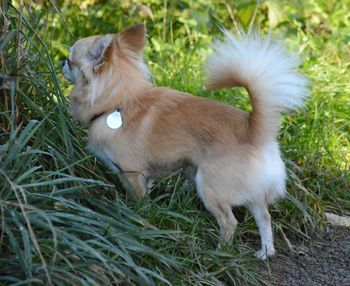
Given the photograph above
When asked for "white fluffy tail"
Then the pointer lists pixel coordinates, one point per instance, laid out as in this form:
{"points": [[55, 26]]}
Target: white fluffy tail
{"points": [[269, 74]]}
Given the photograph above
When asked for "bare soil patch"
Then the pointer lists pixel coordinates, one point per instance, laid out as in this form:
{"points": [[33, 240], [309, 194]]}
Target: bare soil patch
{"points": [[323, 260]]}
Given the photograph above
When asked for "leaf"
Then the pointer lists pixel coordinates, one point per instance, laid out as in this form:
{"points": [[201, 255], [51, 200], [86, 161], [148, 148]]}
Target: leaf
{"points": [[245, 14], [275, 12]]}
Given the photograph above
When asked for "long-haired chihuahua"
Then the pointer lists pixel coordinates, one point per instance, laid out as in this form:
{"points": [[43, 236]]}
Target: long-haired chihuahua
{"points": [[145, 132]]}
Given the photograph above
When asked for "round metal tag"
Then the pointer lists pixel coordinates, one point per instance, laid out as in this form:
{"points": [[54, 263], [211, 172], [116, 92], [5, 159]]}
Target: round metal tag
{"points": [[114, 120]]}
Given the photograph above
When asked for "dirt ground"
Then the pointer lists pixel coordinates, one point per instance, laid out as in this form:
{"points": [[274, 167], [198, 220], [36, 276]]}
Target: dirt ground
{"points": [[323, 260]]}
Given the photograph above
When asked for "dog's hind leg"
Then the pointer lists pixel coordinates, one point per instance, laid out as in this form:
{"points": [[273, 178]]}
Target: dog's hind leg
{"points": [[218, 206], [225, 218], [263, 221]]}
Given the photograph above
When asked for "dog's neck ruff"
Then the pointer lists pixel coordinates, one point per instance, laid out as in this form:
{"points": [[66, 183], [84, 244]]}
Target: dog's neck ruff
{"points": [[98, 115]]}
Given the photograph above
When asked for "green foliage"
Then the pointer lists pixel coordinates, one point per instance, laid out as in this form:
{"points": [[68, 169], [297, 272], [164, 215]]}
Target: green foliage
{"points": [[64, 218]]}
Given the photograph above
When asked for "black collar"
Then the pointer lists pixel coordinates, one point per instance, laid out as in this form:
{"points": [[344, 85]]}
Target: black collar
{"points": [[98, 115]]}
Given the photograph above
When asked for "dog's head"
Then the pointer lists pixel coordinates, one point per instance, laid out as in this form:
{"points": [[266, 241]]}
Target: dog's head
{"points": [[99, 66]]}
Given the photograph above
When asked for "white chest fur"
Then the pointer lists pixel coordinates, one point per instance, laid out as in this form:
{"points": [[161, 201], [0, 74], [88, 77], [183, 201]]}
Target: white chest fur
{"points": [[104, 155]]}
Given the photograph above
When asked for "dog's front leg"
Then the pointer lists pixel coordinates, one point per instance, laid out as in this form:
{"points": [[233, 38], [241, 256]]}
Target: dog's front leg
{"points": [[135, 183]]}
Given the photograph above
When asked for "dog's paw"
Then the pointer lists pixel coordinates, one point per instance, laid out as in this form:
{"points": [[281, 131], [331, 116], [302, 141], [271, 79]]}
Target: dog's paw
{"points": [[222, 245], [264, 253]]}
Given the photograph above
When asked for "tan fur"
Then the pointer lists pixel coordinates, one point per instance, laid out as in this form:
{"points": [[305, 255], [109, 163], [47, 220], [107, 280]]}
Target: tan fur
{"points": [[164, 130]]}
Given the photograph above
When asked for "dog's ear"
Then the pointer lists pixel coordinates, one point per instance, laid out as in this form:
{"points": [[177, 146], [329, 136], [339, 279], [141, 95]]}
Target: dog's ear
{"points": [[101, 52], [133, 38]]}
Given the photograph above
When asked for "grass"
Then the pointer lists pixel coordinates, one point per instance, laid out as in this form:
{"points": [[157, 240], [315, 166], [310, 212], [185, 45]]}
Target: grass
{"points": [[65, 220]]}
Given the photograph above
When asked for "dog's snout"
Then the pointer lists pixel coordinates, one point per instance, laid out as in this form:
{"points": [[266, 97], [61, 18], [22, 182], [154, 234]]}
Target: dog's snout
{"points": [[69, 72]]}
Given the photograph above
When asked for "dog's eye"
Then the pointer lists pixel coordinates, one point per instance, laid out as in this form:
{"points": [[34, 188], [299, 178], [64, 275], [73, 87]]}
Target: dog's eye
{"points": [[70, 63], [99, 60]]}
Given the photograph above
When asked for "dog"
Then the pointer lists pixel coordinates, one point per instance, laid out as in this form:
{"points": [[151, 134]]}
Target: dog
{"points": [[144, 132]]}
